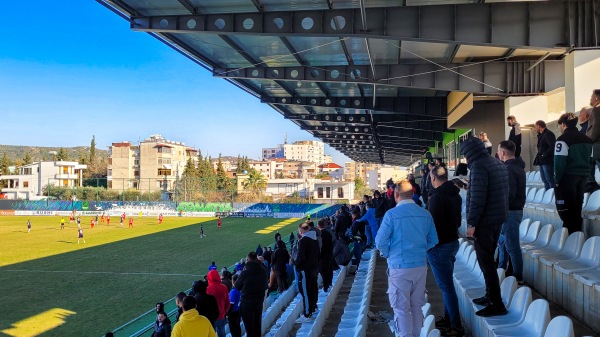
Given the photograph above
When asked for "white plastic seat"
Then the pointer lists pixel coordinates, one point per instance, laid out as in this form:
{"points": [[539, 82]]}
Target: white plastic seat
{"points": [[428, 326], [588, 259], [540, 209], [593, 203], [534, 325], [507, 288], [516, 313], [531, 195], [434, 333], [570, 250], [531, 258], [542, 240], [471, 291], [532, 232], [560, 326], [464, 258], [426, 309], [523, 227]]}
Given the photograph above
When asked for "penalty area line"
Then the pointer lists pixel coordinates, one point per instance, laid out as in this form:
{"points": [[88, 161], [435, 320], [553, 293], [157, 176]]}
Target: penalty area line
{"points": [[95, 272]]}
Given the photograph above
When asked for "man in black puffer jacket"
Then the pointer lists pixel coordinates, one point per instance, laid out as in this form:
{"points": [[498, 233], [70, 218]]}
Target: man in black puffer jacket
{"points": [[445, 206], [487, 209]]}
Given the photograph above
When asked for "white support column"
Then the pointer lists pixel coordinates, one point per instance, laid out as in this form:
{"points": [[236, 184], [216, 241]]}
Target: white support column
{"points": [[582, 70]]}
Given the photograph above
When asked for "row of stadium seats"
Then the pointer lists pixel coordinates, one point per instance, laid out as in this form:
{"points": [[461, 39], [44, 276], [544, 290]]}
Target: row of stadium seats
{"points": [[525, 318], [564, 268]]}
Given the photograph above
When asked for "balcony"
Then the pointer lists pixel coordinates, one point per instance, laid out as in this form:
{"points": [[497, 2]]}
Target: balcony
{"points": [[66, 176]]}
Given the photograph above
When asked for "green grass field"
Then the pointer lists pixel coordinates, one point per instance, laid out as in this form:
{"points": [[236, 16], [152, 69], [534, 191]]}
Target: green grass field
{"points": [[52, 286]]}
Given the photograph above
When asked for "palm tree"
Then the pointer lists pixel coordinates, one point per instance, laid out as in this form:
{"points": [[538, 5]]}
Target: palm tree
{"points": [[256, 182]]}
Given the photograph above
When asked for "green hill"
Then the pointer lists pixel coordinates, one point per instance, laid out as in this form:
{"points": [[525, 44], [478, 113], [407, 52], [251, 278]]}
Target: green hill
{"points": [[14, 152]]}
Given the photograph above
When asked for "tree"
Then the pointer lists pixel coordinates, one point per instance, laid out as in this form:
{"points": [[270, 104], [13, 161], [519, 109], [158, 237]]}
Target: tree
{"points": [[360, 188], [4, 164], [223, 182], [93, 149], [27, 159], [62, 155], [322, 175], [256, 182], [190, 168], [82, 158]]}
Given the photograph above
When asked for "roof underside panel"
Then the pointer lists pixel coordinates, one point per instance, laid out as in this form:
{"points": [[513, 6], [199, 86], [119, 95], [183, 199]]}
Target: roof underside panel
{"points": [[269, 87], [279, 5], [220, 6], [416, 52], [270, 50], [317, 51], [158, 7], [343, 89], [215, 49]]}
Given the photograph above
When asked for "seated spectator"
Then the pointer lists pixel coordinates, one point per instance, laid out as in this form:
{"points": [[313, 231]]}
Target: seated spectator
{"points": [[234, 310], [206, 304], [192, 324], [259, 250], [160, 306], [162, 326]]}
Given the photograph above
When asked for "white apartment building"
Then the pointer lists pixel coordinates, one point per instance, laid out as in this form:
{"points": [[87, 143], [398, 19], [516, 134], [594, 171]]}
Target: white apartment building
{"points": [[304, 150], [28, 181], [376, 179], [154, 165]]}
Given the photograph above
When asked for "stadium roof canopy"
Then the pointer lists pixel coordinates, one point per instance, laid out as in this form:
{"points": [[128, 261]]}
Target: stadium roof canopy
{"points": [[371, 78]]}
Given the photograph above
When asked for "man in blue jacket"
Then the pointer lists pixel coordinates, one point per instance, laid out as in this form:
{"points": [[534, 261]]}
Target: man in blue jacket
{"points": [[371, 230], [406, 233]]}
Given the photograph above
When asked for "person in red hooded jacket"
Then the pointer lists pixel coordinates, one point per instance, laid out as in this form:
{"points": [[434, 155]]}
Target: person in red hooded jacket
{"points": [[221, 294]]}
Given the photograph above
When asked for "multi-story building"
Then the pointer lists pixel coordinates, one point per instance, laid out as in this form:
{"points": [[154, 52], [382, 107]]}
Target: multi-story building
{"points": [[353, 169], [152, 165], [28, 181], [376, 179], [304, 150]]}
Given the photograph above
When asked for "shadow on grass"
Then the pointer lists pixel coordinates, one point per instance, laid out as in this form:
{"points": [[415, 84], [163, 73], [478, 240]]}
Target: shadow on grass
{"points": [[103, 301]]}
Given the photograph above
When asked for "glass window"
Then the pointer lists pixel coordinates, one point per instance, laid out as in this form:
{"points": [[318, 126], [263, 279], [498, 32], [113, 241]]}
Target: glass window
{"points": [[328, 192], [164, 172], [320, 192], [340, 192], [65, 182], [26, 184], [109, 172]]}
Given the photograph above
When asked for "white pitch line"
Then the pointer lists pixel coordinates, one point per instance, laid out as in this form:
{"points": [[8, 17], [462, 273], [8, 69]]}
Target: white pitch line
{"points": [[95, 272]]}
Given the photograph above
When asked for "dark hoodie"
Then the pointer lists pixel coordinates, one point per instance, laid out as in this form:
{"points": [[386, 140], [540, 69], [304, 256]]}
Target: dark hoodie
{"points": [[308, 253], [219, 291], [516, 187], [252, 283], [162, 330], [445, 206], [487, 196], [206, 304]]}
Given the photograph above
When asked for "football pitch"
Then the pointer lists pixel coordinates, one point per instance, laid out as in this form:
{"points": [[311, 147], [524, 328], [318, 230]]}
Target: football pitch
{"points": [[52, 286]]}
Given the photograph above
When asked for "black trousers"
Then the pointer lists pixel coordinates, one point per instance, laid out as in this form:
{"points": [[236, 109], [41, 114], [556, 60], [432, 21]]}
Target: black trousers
{"points": [[252, 317], [234, 323], [486, 241], [326, 271], [307, 284], [281, 276], [569, 200]]}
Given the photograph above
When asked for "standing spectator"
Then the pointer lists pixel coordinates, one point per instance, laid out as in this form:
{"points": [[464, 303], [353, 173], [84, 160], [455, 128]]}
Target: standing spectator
{"points": [[160, 306], [326, 257], [584, 116], [191, 324], [291, 239], [221, 294], [259, 250], [252, 283], [213, 266], [307, 268], [277, 236], [487, 210], [206, 304], [571, 165], [380, 206], [545, 155], [508, 243], [424, 174], [359, 238], [28, 226], [593, 131], [445, 207], [515, 134], [268, 255], [486, 141], [343, 222], [226, 279], [234, 310], [405, 235], [179, 302], [373, 225], [280, 258], [311, 226], [162, 326]]}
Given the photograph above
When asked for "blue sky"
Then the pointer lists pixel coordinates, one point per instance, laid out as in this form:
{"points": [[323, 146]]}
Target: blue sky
{"points": [[70, 72]]}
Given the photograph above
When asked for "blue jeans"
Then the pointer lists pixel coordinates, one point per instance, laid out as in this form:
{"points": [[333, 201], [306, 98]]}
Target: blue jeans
{"points": [[441, 260], [220, 327], [509, 246], [547, 175], [357, 251], [373, 230]]}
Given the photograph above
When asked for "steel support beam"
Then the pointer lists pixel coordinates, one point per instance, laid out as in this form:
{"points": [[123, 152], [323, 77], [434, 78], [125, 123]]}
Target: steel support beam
{"points": [[485, 78], [416, 106], [536, 25]]}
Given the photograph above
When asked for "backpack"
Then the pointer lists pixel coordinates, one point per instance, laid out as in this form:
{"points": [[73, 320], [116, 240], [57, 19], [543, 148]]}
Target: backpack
{"points": [[342, 253]]}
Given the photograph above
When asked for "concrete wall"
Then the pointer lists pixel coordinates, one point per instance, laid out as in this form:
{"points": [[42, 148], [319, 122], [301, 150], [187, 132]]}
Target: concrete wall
{"points": [[486, 117], [582, 68]]}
